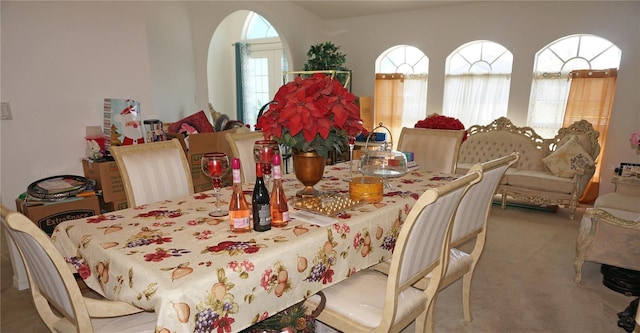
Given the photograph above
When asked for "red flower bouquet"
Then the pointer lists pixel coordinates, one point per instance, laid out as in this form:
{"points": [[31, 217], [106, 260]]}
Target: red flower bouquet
{"points": [[436, 121], [312, 114]]}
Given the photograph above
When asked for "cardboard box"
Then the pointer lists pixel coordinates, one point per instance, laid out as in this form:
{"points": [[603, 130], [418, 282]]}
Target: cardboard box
{"points": [[202, 143], [48, 215], [107, 177], [179, 137], [106, 207]]}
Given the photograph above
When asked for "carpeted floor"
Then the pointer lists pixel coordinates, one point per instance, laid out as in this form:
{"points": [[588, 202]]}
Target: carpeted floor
{"points": [[523, 283]]}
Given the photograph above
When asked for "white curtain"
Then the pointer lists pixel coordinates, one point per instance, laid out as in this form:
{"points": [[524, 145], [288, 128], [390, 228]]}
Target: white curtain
{"points": [[476, 99], [548, 99], [415, 99]]}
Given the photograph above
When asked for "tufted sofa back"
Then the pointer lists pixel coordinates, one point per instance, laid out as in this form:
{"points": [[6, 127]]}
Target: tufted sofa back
{"points": [[501, 138], [486, 146]]}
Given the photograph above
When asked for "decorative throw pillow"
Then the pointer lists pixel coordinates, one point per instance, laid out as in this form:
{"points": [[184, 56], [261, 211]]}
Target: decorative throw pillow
{"points": [[568, 158]]}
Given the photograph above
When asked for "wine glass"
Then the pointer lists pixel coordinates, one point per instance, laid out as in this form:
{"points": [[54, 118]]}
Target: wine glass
{"points": [[215, 165], [263, 152]]}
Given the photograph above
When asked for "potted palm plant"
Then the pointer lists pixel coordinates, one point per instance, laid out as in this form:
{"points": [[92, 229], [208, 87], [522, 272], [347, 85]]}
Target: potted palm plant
{"points": [[327, 57]]}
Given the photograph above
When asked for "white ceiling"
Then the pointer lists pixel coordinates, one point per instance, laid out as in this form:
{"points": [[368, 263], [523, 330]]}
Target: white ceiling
{"points": [[332, 9]]}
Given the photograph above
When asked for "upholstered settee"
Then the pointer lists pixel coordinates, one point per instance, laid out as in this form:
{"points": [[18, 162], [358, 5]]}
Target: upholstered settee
{"points": [[609, 236], [550, 172]]}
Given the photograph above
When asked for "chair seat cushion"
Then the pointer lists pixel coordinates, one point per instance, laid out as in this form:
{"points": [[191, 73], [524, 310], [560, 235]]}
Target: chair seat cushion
{"points": [[540, 180], [619, 202], [458, 261], [361, 298], [463, 168]]}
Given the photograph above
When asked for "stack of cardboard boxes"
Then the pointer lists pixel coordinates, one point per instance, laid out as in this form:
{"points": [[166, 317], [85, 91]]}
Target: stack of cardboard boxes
{"points": [[109, 181], [53, 200], [202, 143], [48, 215]]}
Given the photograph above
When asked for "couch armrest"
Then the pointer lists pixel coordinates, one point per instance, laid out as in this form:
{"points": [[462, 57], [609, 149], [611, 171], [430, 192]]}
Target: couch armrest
{"points": [[582, 179], [606, 238]]}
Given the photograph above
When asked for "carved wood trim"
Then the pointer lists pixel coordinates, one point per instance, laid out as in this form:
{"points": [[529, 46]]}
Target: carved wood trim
{"points": [[604, 216]]}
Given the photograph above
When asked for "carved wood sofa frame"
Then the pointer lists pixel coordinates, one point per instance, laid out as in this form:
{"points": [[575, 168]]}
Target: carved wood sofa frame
{"points": [[530, 180]]}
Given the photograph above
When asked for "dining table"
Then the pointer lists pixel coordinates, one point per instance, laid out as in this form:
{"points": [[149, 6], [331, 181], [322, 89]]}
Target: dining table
{"points": [[171, 257]]}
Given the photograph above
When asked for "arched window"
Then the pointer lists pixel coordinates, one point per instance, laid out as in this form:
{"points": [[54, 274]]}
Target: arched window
{"points": [[575, 78], [477, 82], [258, 27], [260, 62], [551, 79], [400, 95]]}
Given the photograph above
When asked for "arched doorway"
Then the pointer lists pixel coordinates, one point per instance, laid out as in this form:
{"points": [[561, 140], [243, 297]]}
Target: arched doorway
{"points": [[245, 64]]}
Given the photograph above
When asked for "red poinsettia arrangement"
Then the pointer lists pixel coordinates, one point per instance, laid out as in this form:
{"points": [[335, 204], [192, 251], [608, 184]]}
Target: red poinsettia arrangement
{"points": [[312, 114], [436, 121]]}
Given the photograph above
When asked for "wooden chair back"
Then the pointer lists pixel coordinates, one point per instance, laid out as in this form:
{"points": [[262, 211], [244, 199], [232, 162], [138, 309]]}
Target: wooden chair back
{"points": [[55, 292], [423, 244], [153, 171], [434, 150]]}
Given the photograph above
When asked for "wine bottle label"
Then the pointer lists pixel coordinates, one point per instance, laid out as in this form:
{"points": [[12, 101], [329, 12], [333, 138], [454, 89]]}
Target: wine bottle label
{"points": [[240, 222], [277, 174], [285, 216], [236, 176], [264, 214]]}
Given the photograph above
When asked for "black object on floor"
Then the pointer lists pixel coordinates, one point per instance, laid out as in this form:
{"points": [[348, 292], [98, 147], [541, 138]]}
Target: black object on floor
{"points": [[624, 281], [626, 318]]}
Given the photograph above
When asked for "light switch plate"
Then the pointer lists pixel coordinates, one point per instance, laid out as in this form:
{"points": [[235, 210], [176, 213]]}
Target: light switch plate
{"points": [[6, 111]]}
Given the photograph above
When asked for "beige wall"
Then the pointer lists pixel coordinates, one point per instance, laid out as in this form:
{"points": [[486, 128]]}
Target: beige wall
{"points": [[60, 59]]}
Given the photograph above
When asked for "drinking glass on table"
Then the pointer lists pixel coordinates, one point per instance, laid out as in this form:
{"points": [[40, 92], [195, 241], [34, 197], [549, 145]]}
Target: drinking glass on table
{"points": [[263, 152], [215, 166]]}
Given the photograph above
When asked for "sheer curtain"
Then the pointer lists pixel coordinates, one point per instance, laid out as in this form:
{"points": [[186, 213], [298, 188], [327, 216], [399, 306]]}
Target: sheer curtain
{"points": [[400, 101], [549, 93], [415, 100], [591, 98], [389, 102], [243, 80], [476, 99]]}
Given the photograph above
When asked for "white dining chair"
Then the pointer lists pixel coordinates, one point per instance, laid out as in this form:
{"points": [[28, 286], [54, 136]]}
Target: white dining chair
{"points": [[370, 301], [471, 225], [55, 291], [153, 171], [434, 150], [242, 148]]}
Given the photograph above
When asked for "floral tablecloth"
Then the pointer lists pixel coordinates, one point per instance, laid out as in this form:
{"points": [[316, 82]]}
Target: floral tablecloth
{"points": [[172, 258]]}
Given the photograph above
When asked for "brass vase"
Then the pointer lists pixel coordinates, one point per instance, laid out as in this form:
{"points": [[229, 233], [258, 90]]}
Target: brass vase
{"points": [[309, 168]]}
